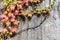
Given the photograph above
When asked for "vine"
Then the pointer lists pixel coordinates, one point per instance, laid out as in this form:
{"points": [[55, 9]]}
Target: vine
{"points": [[19, 8]]}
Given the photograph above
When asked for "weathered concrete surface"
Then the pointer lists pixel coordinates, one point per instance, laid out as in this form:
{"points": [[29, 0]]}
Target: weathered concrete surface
{"points": [[49, 30]]}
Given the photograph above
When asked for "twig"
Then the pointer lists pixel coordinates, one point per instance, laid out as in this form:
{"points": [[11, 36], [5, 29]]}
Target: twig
{"points": [[31, 27]]}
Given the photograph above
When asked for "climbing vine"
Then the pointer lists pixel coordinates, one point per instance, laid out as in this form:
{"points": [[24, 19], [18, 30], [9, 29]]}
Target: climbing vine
{"points": [[19, 8]]}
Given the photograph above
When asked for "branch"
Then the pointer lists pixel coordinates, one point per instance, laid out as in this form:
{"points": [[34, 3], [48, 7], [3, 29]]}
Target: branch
{"points": [[31, 27]]}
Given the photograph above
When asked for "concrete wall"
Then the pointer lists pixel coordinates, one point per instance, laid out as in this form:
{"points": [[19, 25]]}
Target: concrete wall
{"points": [[48, 30]]}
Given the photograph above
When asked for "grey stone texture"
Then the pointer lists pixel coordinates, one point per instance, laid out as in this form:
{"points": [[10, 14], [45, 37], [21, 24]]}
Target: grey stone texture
{"points": [[49, 30]]}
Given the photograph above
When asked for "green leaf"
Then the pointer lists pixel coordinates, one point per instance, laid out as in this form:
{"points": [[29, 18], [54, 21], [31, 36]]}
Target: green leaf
{"points": [[10, 1], [24, 13], [15, 0], [8, 10], [5, 3], [10, 33], [35, 1], [1, 38]]}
